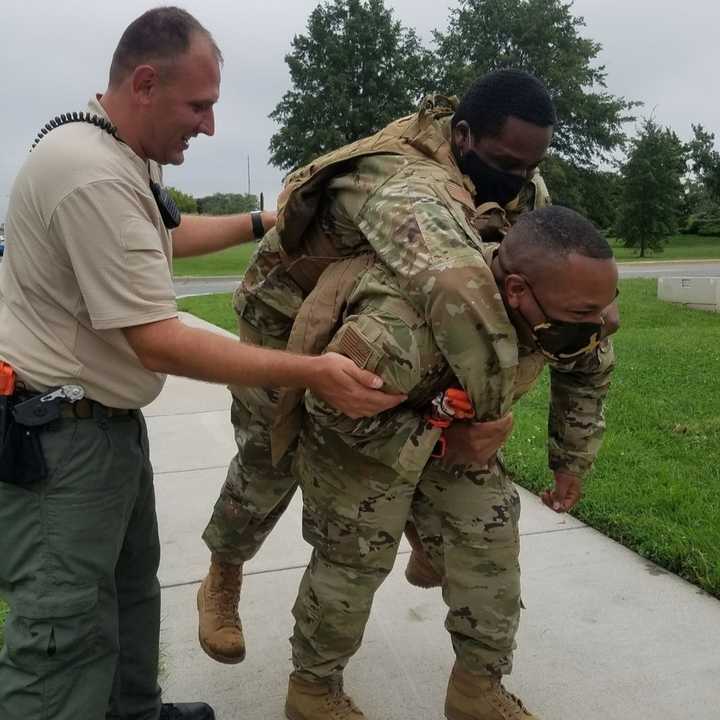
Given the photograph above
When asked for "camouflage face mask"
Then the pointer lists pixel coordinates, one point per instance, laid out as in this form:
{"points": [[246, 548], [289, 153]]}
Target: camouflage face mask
{"points": [[560, 340], [563, 341]]}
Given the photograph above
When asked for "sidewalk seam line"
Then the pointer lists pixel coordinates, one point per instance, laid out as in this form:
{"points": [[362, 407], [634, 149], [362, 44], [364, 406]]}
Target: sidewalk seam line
{"points": [[191, 412], [186, 583], [189, 470], [556, 530]]}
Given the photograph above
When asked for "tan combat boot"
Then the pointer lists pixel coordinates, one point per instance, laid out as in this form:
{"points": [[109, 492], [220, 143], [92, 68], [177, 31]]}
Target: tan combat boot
{"points": [[419, 571], [220, 631], [481, 697], [319, 701]]}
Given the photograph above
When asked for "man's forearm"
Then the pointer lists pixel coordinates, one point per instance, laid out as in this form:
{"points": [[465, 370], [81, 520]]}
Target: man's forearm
{"points": [[203, 234], [170, 346], [178, 349]]}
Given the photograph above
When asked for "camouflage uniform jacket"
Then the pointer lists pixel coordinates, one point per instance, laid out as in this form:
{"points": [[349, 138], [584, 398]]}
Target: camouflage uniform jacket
{"points": [[384, 333], [401, 195]]}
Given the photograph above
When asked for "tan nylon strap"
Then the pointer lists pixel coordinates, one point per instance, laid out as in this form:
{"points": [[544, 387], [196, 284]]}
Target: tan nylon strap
{"points": [[312, 330], [487, 207]]}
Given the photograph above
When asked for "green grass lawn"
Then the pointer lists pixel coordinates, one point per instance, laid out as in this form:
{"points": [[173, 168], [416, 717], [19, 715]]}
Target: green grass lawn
{"points": [[232, 261], [217, 309], [678, 247]]}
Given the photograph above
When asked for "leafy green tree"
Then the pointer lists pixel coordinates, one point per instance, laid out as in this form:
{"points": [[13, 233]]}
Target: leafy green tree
{"points": [[591, 192], [186, 203], [705, 161], [227, 203], [541, 37], [651, 188], [354, 71]]}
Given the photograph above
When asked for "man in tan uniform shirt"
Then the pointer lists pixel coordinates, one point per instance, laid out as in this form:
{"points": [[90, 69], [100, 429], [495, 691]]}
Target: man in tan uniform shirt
{"points": [[86, 299]]}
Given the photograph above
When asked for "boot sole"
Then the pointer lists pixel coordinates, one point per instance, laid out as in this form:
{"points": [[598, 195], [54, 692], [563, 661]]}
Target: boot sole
{"points": [[452, 714], [224, 659], [290, 714]]}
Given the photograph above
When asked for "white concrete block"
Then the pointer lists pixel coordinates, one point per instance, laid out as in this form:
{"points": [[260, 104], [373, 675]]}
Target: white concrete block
{"points": [[698, 292]]}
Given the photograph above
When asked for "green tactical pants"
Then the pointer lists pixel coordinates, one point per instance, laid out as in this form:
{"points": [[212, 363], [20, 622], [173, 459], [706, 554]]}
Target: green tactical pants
{"points": [[78, 567], [354, 514]]}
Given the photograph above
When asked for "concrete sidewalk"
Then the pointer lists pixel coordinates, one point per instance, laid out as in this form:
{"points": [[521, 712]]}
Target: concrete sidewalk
{"points": [[606, 634]]}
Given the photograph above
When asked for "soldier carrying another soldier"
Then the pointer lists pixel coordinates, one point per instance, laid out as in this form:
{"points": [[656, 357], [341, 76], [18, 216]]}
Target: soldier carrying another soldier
{"points": [[419, 195], [553, 278]]}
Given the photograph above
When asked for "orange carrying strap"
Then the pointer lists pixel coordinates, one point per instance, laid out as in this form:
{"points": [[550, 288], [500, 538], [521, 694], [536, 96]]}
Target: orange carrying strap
{"points": [[7, 379]]}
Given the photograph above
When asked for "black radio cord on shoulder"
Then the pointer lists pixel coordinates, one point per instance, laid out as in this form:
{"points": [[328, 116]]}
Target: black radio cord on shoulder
{"points": [[169, 212], [72, 117]]}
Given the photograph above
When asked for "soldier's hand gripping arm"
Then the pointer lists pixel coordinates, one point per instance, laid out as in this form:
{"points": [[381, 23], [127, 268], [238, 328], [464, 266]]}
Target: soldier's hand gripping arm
{"points": [[400, 438], [576, 423]]}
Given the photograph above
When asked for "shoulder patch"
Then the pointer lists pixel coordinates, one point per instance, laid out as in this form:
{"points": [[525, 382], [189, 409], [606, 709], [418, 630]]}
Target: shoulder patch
{"points": [[355, 346]]}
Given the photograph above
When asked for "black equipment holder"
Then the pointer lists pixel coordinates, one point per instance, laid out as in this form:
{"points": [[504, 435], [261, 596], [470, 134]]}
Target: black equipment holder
{"points": [[22, 421]]}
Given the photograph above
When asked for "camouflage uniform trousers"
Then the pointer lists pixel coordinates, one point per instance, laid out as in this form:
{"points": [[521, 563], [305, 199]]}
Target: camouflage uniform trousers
{"points": [[354, 514], [255, 494]]}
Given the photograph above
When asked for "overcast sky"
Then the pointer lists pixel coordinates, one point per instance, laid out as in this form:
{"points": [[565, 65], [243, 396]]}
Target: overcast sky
{"points": [[55, 55]]}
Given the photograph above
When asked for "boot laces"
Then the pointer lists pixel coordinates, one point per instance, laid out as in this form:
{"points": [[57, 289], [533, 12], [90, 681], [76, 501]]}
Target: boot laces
{"points": [[228, 594], [512, 698], [341, 705]]}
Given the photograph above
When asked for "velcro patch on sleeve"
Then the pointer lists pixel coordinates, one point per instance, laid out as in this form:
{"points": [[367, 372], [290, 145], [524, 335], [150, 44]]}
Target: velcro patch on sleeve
{"points": [[354, 345]]}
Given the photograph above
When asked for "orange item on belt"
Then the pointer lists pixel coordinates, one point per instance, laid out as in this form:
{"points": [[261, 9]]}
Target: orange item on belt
{"points": [[7, 379]]}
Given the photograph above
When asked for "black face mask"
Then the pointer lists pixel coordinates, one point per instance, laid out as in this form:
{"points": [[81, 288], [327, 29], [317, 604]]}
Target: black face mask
{"points": [[491, 185]]}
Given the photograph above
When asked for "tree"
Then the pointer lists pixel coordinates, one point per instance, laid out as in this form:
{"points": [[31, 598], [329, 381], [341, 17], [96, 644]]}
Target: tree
{"points": [[355, 70], [186, 203], [593, 193], [227, 204], [705, 161], [541, 37], [651, 188]]}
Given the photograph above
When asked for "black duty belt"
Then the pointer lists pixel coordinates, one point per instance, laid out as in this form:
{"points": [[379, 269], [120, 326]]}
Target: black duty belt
{"points": [[34, 409], [83, 409]]}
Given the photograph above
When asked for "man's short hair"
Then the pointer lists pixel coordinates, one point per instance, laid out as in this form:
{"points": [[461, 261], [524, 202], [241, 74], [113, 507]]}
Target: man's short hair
{"points": [[552, 233], [158, 35], [495, 97]]}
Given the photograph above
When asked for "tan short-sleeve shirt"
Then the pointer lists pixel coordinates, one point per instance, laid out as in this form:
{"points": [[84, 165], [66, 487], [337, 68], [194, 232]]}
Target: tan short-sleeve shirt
{"points": [[87, 254]]}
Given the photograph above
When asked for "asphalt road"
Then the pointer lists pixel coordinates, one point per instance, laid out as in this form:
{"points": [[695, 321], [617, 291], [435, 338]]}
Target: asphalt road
{"points": [[680, 268], [185, 287]]}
